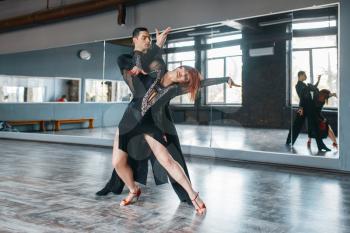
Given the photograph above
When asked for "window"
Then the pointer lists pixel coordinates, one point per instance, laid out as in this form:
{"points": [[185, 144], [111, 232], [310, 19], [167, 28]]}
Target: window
{"points": [[219, 61], [313, 25], [177, 59], [31, 89], [106, 91], [223, 62], [316, 55], [123, 92]]}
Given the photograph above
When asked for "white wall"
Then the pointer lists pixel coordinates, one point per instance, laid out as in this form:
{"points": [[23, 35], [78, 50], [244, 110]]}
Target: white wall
{"points": [[157, 13]]}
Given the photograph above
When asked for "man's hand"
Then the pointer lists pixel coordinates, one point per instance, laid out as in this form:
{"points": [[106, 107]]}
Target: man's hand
{"points": [[161, 37], [136, 71], [232, 83], [300, 111]]}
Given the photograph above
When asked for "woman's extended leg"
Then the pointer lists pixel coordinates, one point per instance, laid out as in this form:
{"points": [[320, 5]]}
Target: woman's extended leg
{"points": [[175, 171], [332, 136], [121, 166]]}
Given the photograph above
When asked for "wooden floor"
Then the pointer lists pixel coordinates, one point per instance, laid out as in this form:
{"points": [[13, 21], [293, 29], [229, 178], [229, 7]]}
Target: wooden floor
{"points": [[51, 188]]}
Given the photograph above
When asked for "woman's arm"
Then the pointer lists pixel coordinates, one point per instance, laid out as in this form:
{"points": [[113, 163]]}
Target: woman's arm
{"points": [[177, 89], [216, 81], [210, 82]]}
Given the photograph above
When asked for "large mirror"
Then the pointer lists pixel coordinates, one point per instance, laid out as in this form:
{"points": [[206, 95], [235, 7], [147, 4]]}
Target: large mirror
{"points": [[42, 91], [263, 54], [106, 91], [315, 63], [28, 89]]}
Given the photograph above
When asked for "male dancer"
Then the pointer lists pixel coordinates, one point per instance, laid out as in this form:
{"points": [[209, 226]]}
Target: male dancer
{"points": [[142, 43], [304, 92]]}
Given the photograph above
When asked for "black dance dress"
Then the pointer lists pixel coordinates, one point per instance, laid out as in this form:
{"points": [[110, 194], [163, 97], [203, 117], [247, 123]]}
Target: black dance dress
{"points": [[145, 115], [321, 121], [131, 137]]}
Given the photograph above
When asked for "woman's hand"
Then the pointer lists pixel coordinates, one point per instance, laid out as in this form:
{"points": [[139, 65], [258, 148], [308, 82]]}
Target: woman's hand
{"points": [[136, 71], [232, 83], [161, 37]]}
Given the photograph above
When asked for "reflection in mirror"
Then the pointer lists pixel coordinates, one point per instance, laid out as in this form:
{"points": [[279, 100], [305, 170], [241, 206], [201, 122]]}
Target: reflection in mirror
{"points": [[28, 89], [263, 54], [255, 53], [315, 59], [177, 59], [48, 84], [116, 93], [106, 91], [67, 89]]}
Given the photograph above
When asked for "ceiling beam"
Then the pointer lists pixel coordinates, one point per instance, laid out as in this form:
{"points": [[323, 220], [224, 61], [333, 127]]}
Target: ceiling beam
{"points": [[67, 12]]}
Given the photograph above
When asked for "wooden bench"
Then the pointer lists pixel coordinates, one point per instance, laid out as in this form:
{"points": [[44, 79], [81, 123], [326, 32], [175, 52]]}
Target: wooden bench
{"points": [[41, 123], [73, 121]]}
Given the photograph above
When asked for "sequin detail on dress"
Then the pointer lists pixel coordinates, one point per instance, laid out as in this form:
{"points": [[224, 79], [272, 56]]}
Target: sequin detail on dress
{"points": [[146, 102]]}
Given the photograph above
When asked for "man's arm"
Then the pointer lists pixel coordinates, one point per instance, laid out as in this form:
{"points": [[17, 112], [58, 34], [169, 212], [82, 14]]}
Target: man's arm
{"points": [[125, 63], [318, 80]]}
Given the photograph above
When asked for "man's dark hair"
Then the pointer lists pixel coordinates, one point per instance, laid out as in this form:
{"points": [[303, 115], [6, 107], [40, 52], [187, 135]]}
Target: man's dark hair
{"points": [[137, 31], [300, 73]]}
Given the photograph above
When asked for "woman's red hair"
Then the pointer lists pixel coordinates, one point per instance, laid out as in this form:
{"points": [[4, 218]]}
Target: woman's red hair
{"points": [[326, 94], [194, 82]]}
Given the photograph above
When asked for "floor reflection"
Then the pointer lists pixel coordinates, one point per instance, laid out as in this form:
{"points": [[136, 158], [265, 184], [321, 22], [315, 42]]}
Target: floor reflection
{"points": [[271, 140]]}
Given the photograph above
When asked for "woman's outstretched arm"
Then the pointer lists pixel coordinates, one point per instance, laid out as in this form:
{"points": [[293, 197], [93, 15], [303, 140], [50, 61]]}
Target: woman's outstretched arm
{"points": [[209, 82]]}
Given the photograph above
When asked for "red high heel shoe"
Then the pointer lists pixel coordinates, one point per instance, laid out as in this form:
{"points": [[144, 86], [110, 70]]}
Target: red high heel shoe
{"points": [[200, 209], [335, 145], [308, 143], [134, 199]]}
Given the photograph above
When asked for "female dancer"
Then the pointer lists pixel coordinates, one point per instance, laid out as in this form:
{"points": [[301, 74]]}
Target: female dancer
{"points": [[134, 65], [146, 112], [145, 59], [320, 99]]}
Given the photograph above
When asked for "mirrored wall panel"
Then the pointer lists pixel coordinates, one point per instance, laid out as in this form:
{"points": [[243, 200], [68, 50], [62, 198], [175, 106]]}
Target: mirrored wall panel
{"points": [[284, 68], [29, 89], [314, 83], [255, 54], [43, 91], [106, 91]]}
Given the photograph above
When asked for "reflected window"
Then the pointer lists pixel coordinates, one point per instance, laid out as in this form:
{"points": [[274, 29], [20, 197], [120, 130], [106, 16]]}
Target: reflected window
{"points": [[224, 38], [316, 55], [29, 89], [177, 59], [313, 25], [67, 90], [102, 91], [177, 44], [222, 62]]}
